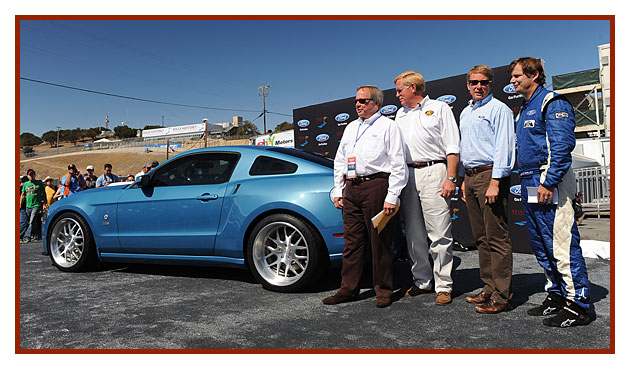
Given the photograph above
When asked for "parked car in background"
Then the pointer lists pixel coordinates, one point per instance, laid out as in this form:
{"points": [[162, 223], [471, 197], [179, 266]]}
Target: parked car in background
{"points": [[263, 208]]}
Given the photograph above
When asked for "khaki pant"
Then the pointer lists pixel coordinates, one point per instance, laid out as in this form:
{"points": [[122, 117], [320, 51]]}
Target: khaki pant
{"points": [[427, 214], [489, 225]]}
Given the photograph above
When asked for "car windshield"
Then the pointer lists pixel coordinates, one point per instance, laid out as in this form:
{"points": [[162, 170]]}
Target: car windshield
{"points": [[312, 157]]}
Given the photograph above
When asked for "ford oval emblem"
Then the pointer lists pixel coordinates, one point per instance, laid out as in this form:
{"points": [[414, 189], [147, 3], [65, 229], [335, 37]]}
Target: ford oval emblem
{"points": [[342, 117], [389, 109], [515, 190], [322, 138], [303, 123], [448, 99], [509, 89]]}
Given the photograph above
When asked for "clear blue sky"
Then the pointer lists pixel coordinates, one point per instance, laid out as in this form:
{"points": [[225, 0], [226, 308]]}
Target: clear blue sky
{"points": [[221, 64]]}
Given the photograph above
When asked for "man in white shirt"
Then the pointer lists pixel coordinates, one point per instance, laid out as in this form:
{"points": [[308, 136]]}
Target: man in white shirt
{"points": [[431, 140], [370, 173], [145, 168]]}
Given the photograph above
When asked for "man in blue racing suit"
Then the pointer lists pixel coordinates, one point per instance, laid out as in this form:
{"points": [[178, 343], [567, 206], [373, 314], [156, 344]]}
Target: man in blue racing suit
{"points": [[545, 138]]}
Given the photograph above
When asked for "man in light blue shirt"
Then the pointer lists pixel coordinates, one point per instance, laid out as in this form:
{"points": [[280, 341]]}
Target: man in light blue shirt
{"points": [[487, 157], [107, 177]]}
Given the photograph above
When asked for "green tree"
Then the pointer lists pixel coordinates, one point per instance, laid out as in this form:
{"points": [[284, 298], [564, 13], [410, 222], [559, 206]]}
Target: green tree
{"points": [[247, 129], [284, 126], [92, 133], [73, 135], [50, 137], [124, 132], [29, 139]]}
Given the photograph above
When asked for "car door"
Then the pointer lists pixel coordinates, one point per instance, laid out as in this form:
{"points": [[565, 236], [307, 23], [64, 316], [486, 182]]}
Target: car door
{"points": [[178, 212]]}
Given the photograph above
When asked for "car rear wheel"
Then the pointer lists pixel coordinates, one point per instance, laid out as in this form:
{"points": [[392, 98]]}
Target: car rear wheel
{"points": [[284, 253], [70, 244]]}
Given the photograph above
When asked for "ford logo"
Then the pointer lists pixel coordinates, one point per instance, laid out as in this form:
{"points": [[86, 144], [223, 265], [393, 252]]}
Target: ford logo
{"points": [[509, 89], [322, 138], [389, 109], [342, 117], [448, 99], [303, 123], [515, 190]]}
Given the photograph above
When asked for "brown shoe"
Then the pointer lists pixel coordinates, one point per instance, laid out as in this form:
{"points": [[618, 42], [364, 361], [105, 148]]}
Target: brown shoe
{"points": [[382, 302], [491, 307], [338, 298], [443, 298], [479, 298], [415, 291]]}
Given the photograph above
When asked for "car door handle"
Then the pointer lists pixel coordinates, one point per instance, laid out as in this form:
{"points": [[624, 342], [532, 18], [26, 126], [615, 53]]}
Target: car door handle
{"points": [[207, 197]]}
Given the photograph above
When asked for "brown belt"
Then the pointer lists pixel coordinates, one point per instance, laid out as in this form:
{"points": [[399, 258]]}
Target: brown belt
{"points": [[422, 164], [370, 177], [473, 171]]}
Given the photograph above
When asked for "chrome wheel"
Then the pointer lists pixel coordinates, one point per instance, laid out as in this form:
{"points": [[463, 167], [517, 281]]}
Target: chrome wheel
{"points": [[280, 253], [67, 242]]}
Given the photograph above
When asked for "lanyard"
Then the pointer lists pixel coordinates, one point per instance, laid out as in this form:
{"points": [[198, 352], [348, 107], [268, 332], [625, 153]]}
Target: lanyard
{"points": [[361, 135]]}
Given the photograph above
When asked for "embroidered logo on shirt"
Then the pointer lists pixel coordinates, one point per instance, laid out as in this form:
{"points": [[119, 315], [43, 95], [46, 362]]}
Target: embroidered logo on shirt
{"points": [[529, 123], [531, 112], [563, 114], [428, 112], [482, 117]]}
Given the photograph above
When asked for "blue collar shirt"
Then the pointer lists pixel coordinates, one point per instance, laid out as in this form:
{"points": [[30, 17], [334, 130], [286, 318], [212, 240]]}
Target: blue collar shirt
{"points": [[487, 136]]}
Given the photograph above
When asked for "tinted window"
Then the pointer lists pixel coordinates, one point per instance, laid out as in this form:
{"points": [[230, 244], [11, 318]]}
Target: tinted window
{"points": [[264, 165], [196, 169], [312, 157]]}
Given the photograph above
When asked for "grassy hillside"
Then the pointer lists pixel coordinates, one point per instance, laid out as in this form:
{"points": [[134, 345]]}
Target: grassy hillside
{"points": [[124, 161]]}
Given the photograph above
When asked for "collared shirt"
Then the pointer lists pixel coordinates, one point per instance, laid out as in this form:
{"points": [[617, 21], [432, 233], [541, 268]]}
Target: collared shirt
{"points": [[487, 131], [429, 129], [103, 180], [376, 143]]}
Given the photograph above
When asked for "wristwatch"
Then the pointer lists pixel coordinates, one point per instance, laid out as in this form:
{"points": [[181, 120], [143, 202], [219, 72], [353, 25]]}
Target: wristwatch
{"points": [[452, 179]]}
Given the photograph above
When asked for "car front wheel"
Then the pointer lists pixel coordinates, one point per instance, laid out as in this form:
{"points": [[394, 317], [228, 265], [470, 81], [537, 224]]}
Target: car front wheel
{"points": [[70, 244], [284, 253]]}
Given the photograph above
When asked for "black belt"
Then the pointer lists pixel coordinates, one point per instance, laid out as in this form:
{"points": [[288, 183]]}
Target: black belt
{"points": [[473, 171], [361, 179], [422, 164]]}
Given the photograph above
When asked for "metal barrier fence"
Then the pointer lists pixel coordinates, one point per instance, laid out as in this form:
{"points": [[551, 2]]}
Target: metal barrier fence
{"points": [[594, 184]]}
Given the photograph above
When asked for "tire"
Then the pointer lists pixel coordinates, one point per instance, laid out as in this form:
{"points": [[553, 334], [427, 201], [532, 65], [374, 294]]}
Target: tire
{"points": [[70, 244], [283, 266]]}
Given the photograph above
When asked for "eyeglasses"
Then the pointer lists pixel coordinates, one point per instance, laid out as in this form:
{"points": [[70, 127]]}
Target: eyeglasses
{"points": [[399, 90], [483, 82], [361, 101]]}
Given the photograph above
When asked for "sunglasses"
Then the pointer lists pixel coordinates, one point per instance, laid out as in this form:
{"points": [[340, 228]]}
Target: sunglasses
{"points": [[483, 82], [361, 101], [399, 90]]}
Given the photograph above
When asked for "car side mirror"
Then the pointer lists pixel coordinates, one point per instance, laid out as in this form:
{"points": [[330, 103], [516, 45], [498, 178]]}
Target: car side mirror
{"points": [[145, 181]]}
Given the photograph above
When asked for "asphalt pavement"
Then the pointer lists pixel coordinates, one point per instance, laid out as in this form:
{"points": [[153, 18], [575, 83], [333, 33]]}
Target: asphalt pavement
{"points": [[174, 307]]}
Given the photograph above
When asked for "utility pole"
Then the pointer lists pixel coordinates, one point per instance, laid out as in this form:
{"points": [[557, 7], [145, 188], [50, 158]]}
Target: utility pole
{"points": [[58, 139], [162, 121], [264, 93]]}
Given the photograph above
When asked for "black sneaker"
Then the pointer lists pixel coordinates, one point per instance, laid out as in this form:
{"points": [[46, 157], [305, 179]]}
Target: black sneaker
{"points": [[552, 305], [570, 316]]}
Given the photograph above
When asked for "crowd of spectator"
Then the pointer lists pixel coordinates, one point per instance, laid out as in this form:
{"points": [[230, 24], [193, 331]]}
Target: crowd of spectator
{"points": [[36, 196]]}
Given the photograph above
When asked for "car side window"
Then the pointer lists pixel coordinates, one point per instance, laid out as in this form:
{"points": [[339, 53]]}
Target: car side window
{"points": [[196, 169], [265, 165]]}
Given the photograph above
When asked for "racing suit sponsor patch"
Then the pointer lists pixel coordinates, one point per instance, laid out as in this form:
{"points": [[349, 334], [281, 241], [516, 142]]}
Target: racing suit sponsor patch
{"points": [[531, 112], [529, 123], [563, 114]]}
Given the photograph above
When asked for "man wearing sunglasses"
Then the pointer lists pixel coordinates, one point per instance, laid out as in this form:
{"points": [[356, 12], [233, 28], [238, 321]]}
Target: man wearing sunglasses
{"points": [[370, 173], [487, 157], [545, 136], [431, 141]]}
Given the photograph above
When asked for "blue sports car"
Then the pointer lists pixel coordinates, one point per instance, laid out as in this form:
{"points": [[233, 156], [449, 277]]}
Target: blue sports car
{"points": [[265, 208]]}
